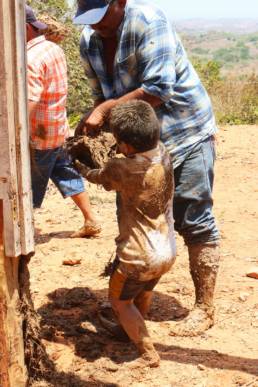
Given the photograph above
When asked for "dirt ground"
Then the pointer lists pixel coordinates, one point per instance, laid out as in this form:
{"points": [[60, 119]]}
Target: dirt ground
{"points": [[67, 298]]}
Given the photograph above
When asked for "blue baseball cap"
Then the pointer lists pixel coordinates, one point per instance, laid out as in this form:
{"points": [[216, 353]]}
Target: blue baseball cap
{"points": [[31, 19], [91, 11]]}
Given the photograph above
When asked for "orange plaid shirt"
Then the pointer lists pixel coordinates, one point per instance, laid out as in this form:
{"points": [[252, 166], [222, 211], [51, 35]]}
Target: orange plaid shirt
{"points": [[47, 85]]}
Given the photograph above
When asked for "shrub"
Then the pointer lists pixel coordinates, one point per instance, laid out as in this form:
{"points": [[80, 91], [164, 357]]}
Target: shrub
{"points": [[79, 94], [235, 100], [209, 72]]}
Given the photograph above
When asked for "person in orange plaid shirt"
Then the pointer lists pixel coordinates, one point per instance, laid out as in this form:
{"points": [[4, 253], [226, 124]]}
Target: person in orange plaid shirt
{"points": [[47, 94]]}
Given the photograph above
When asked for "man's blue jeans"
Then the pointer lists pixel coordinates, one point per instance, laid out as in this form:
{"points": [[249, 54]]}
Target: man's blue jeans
{"points": [[193, 196], [54, 164]]}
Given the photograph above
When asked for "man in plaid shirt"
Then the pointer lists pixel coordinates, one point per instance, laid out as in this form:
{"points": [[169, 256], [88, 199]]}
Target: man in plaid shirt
{"points": [[47, 92], [130, 51]]}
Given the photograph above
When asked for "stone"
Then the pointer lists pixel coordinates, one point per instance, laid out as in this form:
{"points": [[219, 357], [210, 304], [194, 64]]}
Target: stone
{"points": [[253, 273], [243, 296]]}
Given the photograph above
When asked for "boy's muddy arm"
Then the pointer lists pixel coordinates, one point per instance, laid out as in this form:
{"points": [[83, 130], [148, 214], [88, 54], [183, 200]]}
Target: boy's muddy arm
{"points": [[92, 175], [95, 176]]}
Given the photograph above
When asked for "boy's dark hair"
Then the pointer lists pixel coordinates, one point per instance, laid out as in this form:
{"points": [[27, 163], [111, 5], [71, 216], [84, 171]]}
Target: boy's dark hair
{"points": [[135, 123]]}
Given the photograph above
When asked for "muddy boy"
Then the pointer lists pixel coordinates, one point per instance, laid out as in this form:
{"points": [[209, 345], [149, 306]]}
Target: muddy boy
{"points": [[146, 242]]}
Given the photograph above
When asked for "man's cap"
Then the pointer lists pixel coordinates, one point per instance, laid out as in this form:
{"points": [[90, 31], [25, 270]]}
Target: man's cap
{"points": [[91, 11], [31, 19]]}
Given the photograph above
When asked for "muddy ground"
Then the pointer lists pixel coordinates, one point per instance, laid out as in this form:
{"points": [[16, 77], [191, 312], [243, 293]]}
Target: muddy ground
{"points": [[67, 298]]}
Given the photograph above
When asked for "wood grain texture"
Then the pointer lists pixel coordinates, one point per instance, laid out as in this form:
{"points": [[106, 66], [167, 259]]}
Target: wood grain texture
{"points": [[15, 184]]}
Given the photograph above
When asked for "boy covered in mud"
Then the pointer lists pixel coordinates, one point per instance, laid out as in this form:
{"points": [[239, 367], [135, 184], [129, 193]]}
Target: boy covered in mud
{"points": [[146, 249]]}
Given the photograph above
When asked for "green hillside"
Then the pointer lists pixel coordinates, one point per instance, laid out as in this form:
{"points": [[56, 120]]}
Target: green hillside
{"points": [[235, 53]]}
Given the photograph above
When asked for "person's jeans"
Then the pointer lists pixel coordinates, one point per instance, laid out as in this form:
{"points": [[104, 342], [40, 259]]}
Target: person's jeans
{"points": [[54, 164], [193, 196]]}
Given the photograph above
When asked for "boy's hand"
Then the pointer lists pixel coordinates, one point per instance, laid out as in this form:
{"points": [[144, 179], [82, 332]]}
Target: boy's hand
{"points": [[82, 168]]}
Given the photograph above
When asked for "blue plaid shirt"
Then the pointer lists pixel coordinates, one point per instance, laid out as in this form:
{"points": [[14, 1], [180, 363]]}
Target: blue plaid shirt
{"points": [[151, 56]]}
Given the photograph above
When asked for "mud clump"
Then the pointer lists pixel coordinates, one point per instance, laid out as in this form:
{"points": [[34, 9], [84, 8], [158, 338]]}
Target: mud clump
{"points": [[94, 152]]}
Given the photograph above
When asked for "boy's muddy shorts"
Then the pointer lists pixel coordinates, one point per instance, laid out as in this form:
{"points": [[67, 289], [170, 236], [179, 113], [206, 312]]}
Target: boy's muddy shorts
{"points": [[123, 287]]}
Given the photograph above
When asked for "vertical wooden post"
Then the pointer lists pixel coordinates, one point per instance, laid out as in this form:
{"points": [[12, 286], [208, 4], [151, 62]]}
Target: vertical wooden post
{"points": [[16, 228], [15, 184]]}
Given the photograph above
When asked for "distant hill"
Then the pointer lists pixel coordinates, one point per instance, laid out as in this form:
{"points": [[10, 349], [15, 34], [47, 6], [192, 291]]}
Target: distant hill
{"points": [[231, 42], [237, 26]]}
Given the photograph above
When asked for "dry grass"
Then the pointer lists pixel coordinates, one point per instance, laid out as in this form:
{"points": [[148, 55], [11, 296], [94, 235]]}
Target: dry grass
{"points": [[236, 101]]}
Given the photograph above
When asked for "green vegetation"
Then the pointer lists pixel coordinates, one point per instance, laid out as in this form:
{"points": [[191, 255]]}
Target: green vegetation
{"points": [[235, 100], [57, 8], [209, 72], [235, 54], [225, 63], [79, 94], [200, 51], [231, 50]]}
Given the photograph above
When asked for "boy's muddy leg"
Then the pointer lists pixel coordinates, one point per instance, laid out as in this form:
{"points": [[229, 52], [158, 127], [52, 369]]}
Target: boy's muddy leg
{"points": [[204, 263], [143, 302], [133, 323]]}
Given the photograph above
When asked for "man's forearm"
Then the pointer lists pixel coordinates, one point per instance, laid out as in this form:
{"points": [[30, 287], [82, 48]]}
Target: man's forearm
{"points": [[101, 112], [141, 95]]}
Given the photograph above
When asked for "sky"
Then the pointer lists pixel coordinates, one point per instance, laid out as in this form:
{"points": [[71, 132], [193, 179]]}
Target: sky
{"points": [[210, 9]]}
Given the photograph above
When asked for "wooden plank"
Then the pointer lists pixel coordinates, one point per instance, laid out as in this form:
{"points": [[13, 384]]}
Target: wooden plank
{"points": [[15, 185], [7, 135], [22, 132]]}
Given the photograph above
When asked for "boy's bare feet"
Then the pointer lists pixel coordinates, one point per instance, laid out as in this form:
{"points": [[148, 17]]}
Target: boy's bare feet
{"points": [[149, 359], [149, 356]]}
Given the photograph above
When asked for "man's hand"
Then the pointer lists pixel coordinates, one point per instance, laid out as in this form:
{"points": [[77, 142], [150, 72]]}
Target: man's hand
{"points": [[99, 116], [95, 120], [90, 123], [82, 168]]}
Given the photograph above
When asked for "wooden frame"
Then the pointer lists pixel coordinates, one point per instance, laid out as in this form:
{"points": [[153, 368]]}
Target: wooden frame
{"points": [[15, 183], [16, 218]]}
